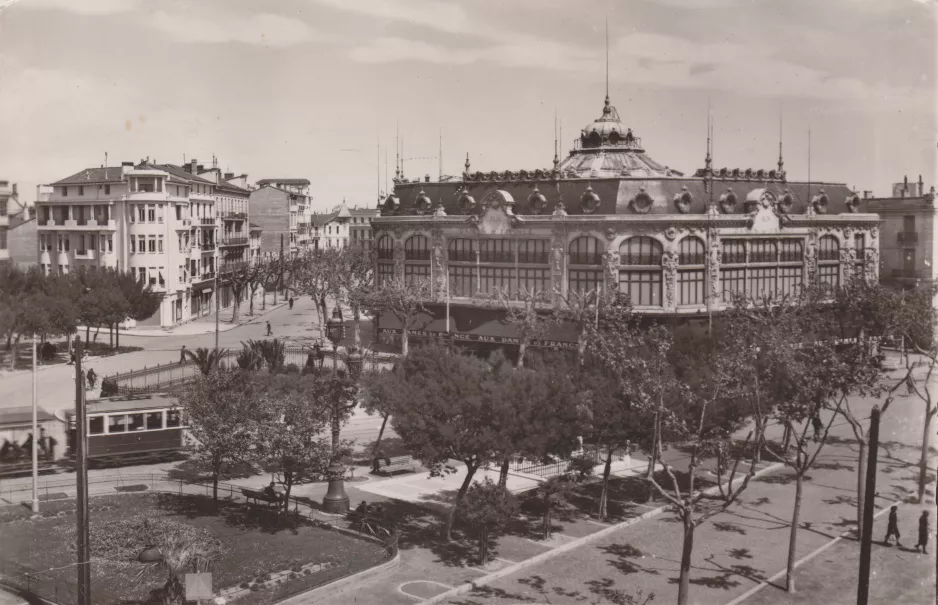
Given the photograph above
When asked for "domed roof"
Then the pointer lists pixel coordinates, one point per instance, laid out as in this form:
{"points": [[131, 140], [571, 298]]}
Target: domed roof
{"points": [[608, 130]]}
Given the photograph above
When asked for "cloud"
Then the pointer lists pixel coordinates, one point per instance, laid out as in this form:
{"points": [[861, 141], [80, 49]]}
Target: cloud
{"points": [[441, 16], [81, 7], [264, 29]]}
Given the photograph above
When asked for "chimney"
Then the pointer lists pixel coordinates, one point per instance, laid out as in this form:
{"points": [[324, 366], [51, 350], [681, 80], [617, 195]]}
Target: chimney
{"points": [[229, 176], [126, 167], [905, 185], [192, 166], [921, 186], [199, 169], [867, 194], [15, 195], [426, 179]]}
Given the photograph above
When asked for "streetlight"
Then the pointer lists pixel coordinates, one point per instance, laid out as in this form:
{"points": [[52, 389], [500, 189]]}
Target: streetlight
{"points": [[354, 361], [336, 500]]}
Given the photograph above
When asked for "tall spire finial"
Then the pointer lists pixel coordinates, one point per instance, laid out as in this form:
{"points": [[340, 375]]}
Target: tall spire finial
{"points": [[607, 61], [556, 146], [397, 153], [467, 162], [708, 160], [781, 162]]}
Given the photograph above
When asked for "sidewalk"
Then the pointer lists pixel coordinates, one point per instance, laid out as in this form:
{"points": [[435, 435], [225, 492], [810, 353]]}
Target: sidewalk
{"points": [[206, 325]]}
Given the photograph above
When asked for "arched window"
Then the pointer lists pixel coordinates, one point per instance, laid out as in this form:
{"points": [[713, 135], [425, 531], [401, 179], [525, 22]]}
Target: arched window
{"points": [[416, 248], [828, 257], [586, 250], [691, 277], [385, 248], [640, 251], [640, 276], [461, 250], [385, 257]]}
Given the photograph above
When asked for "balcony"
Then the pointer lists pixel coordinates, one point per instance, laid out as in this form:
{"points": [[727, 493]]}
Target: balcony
{"points": [[84, 254], [910, 274], [907, 238], [235, 241], [208, 275], [207, 246], [233, 266], [183, 223], [206, 221], [235, 216]]}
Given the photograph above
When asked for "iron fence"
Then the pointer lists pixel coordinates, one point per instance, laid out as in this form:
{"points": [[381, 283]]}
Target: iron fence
{"points": [[560, 466]]}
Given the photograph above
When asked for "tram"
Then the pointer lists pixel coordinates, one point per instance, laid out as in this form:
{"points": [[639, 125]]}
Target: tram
{"points": [[17, 440], [132, 429]]}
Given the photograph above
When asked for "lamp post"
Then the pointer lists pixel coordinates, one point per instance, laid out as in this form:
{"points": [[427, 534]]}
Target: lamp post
{"points": [[336, 500]]}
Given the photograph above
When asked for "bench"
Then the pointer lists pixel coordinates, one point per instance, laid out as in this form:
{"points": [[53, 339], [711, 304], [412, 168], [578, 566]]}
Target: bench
{"points": [[389, 466], [256, 495]]}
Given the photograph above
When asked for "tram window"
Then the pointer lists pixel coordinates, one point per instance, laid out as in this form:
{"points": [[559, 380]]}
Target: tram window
{"points": [[173, 418], [96, 425], [117, 424], [154, 420], [136, 422]]}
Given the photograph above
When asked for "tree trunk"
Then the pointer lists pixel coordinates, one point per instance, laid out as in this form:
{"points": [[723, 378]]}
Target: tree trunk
{"points": [[404, 342], [287, 486], [451, 516], [786, 439], [546, 522], [117, 336], [384, 423], [357, 330], [236, 306], [87, 333], [215, 488], [650, 493], [16, 344], [263, 299], [110, 335], [251, 302], [503, 474], [522, 349], [793, 537], [604, 496], [861, 487], [923, 468], [96, 331], [686, 551], [483, 545]]}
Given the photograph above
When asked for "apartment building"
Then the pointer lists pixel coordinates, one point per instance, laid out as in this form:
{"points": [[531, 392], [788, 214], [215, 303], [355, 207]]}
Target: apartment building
{"points": [[7, 193], [360, 233], [282, 209]]}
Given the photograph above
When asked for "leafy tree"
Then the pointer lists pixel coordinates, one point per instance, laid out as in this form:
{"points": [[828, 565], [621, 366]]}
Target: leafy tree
{"points": [[448, 415], [220, 406], [182, 548], [316, 276], [381, 394], [272, 351], [256, 274], [239, 278], [533, 413], [207, 360], [404, 298], [249, 358], [357, 271], [522, 312], [553, 493], [142, 301], [289, 429], [487, 507]]}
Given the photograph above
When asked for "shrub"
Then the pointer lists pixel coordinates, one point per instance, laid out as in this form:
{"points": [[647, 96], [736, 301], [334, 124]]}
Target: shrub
{"points": [[109, 388], [47, 351], [293, 369], [307, 571], [581, 467], [244, 585]]}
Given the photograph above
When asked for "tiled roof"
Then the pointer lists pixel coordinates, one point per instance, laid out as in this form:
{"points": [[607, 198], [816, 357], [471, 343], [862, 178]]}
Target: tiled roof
{"points": [[180, 172], [318, 220], [112, 174], [263, 182]]}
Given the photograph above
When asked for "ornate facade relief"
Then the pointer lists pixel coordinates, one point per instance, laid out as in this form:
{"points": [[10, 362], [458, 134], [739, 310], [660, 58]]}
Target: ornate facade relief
{"points": [[871, 264], [810, 259], [611, 271], [669, 262], [713, 266], [439, 271], [848, 259], [556, 272]]}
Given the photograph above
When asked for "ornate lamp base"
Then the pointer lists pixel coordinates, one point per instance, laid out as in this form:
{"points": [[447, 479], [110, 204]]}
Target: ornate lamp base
{"points": [[336, 501]]}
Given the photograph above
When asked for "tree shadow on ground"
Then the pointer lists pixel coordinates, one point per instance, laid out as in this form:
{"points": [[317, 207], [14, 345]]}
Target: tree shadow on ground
{"points": [[390, 447], [728, 527], [841, 499], [194, 470], [739, 553], [233, 514], [833, 466], [781, 478], [626, 557], [760, 501]]}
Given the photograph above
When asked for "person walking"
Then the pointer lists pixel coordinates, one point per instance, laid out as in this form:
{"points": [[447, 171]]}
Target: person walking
{"points": [[92, 378], [818, 426], [269, 331], [182, 354], [291, 302], [892, 529], [923, 532]]}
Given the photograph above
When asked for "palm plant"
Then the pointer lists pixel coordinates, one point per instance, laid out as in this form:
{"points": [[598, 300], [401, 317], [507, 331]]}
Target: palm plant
{"points": [[207, 359], [179, 549], [274, 352], [249, 358]]}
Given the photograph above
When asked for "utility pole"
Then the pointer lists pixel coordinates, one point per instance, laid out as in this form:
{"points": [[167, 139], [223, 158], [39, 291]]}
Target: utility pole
{"points": [[81, 478], [217, 293], [35, 437], [866, 539]]}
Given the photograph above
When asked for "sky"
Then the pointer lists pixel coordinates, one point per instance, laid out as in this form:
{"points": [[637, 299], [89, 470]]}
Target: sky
{"points": [[320, 89]]}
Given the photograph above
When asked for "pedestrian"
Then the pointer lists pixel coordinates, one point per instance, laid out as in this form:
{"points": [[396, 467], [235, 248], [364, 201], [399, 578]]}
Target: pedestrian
{"points": [[269, 331], [892, 529], [92, 378], [923, 532], [291, 302], [182, 354], [818, 426]]}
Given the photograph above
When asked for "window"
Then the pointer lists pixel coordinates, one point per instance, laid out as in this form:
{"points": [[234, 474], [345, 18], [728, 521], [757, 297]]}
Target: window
{"points": [[96, 425], [385, 248], [141, 244], [762, 251], [908, 223], [81, 190], [151, 214], [142, 274], [154, 420], [462, 280], [385, 273], [135, 422], [141, 213], [762, 282], [415, 273], [828, 248], [151, 244], [107, 190], [691, 251], [64, 191], [859, 244], [829, 276], [690, 287], [582, 281], [585, 251], [117, 424], [67, 241], [790, 281], [3, 239], [182, 274], [791, 251], [733, 282], [733, 252], [642, 287], [173, 419], [534, 282], [160, 244], [495, 279], [640, 251], [495, 251], [460, 250], [152, 274], [415, 248]]}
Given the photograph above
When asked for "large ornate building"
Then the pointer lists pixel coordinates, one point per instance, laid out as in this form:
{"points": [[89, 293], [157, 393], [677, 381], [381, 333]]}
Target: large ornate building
{"points": [[609, 217]]}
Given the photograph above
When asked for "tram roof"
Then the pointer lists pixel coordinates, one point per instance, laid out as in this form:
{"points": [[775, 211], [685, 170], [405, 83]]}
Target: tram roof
{"points": [[129, 403]]}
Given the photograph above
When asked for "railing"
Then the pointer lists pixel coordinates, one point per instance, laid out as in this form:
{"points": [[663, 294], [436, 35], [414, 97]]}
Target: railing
{"points": [[206, 221], [692, 259], [416, 255], [642, 260], [207, 246], [234, 241], [493, 257], [909, 273], [558, 467], [909, 238]]}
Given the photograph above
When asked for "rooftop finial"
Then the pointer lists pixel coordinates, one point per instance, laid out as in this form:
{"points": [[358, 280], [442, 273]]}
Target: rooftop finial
{"points": [[781, 162], [556, 147], [607, 61], [397, 153], [467, 162], [708, 161]]}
